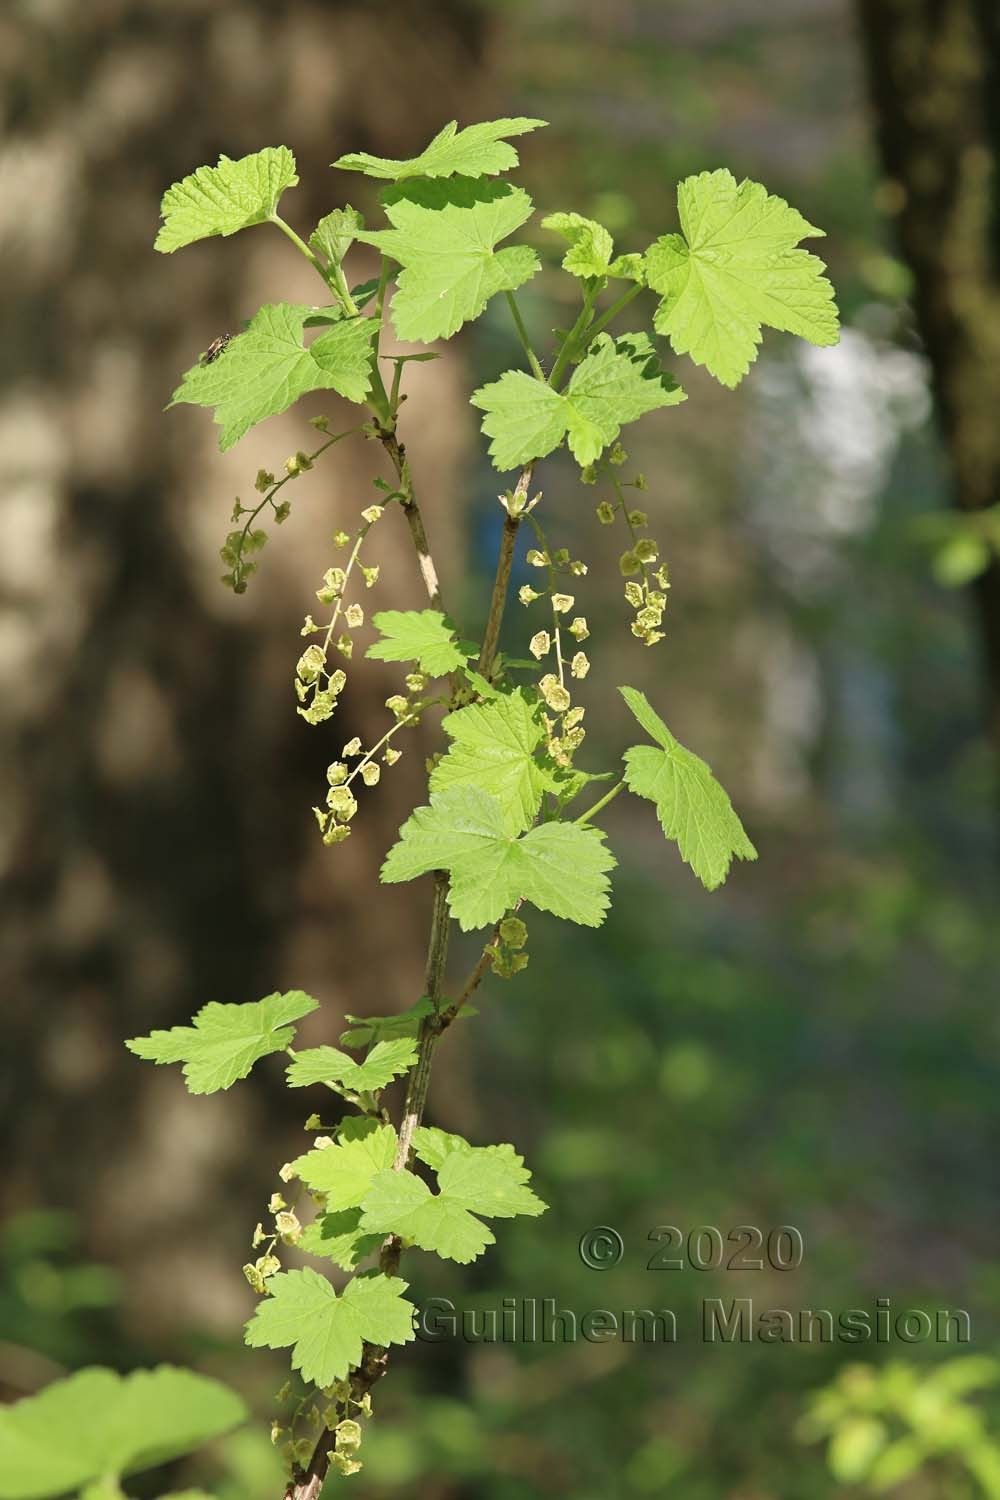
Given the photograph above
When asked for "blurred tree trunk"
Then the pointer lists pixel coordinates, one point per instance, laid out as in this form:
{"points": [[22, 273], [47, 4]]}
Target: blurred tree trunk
{"points": [[934, 72], [156, 846]]}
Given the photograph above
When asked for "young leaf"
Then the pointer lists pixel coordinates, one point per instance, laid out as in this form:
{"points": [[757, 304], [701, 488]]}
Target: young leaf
{"points": [[340, 1238], [476, 151], [99, 1424], [591, 248], [421, 635], [223, 199], [225, 1041], [558, 867], [263, 371], [692, 807], [325, 1332], [487, 1180], [336, 232], [386, 1061], [344, 1171], [619, 380], [444, 236], [494, 747], [366, 1029], [735, 268]]}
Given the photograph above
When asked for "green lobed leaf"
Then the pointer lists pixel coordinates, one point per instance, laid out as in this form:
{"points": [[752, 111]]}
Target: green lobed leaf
{"points": [[591, 249], [494, 863], [477, 151], [386, 1061], [340, 1238], [345, 1169], [266, 369], [618, 381], [487, 1180], [444, 236], [733, 269], [225, 1041], [97, 1424], [225, 198], [494, 746], [325, 1331], [422, 635], [693, 808], [336, 232]]}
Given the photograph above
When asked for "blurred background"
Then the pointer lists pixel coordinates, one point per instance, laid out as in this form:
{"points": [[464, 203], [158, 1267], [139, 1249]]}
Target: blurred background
{"points": [[816, 1044]]}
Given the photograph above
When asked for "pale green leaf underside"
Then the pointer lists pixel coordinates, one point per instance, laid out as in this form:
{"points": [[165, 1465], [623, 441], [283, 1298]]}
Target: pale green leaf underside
{"points": [[326, 1332], [734, 269], [340, 1238], [444, 236], [423, 636], [98, 1423], [494, 747], [386, 1061], [477, 151], [493, 863], [264, 370], [225, 198], [591, 249], [345, 1170], [619, 381], [225, 1041], [693, 808], [489, 1180]]}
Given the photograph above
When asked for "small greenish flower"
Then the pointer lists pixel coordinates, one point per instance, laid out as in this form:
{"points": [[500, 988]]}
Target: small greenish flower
{"points": [[259, 1236], [629, 563], [605, 513], [288, 1228], [578, 568], [345, 646], [354, 616], [370, 575], [539, 644], [342, 803], [397, 705], [371, 513], [513, 932], [336, 773], [536, 559], [554, 693], [578, 628], [646, 550], [370, 773], [321, 423], [640, 482], [353, 747], [310, 664], [276, 1203], [573, 718], [637, 518], [336, 833], [634, 595], [391, 756], [340, 539], [562, 603], [264, 481], [415, 682], [527, 594], [580, 665]]}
